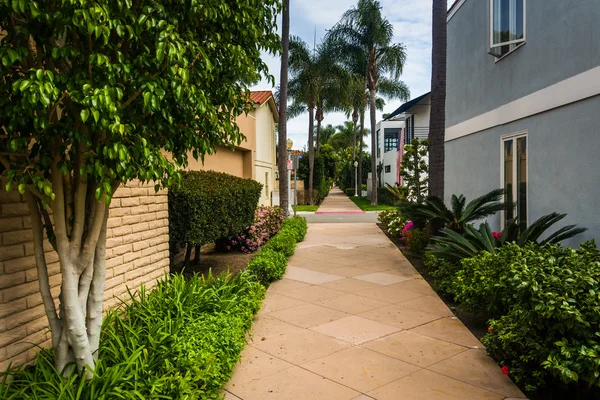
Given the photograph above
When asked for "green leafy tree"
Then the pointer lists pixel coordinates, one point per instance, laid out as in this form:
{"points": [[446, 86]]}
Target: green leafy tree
{"points": [[363, 38], [414, 169], [96, 94]]}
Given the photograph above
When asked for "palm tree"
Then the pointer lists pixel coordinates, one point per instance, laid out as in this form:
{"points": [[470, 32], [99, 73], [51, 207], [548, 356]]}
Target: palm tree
{"points": [[344, 136], [437, 118], [364, 39], [313, 74], [327, 133], [282, 131]]}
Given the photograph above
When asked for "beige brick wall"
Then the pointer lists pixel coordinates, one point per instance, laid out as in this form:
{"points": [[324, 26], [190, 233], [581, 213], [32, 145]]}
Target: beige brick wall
{"points": [[137, 252]]}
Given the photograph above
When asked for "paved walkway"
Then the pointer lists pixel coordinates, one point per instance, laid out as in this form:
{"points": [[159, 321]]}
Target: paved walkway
{"points": [[338, 203], [352, 319]]}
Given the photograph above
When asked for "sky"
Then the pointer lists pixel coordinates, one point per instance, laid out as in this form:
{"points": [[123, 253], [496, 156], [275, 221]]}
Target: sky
{"points": [[412, 27]]}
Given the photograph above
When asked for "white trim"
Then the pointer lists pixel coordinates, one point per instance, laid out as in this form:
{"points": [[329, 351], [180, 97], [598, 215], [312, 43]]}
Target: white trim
{"points": [[454, 10], [571, 90], [503, 139]]}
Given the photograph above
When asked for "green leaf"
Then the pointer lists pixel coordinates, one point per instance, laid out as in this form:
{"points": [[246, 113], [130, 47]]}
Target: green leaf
{"points": [[98, 193], [39, 74], [85, 114], [8, 186], [96, 114], [24, 85], [146, 98]]}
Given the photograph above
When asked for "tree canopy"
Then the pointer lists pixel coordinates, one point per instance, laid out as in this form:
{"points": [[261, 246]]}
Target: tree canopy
{"points": [[95, 94]]}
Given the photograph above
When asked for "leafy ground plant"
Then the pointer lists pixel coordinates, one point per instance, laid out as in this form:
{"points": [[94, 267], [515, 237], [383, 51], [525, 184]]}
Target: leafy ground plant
{"points": [[178, 341]]}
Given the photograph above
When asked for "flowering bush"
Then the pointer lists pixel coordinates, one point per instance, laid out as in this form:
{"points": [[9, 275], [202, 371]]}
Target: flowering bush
{"points": [[387, 216], [267, 222], [416, 239], [497, 235]]}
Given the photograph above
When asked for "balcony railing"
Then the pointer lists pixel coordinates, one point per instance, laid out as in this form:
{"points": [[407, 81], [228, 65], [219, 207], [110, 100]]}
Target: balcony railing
{"points": [[420, 133]]}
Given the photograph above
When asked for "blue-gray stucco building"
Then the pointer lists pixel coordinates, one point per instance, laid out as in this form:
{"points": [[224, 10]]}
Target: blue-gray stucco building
{"points": [[523, 107]]}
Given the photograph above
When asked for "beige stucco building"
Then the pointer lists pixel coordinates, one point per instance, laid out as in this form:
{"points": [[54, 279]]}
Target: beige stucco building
{"points": [[254, 158]]}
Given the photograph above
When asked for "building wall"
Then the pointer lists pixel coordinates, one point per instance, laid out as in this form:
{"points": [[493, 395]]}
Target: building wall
{"points": [[137, 252], [391, 157], [563, 148], [562, 41], [223, 160], [264, 162]]}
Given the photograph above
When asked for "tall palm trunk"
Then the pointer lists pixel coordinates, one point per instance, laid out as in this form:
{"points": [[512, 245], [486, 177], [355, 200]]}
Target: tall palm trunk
{"points": [[311, 152], [437, 119], [319, 120], [374, 185], [360, 151], [354, 120], [282, 134]]}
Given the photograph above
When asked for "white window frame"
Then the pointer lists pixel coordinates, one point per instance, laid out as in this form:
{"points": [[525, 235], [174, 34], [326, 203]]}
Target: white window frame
{"points": [[503, 139], [517, 42]]}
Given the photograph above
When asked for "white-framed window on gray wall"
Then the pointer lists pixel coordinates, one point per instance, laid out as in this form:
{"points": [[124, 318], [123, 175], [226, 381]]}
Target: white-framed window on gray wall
{"points": [[507, 26], [514, 177]]}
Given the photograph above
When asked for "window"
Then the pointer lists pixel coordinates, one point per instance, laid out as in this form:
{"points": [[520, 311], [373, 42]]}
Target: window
{"points": [[390, 140], [378, 143], [507, 26], [388, 169], [266, 184], [409, 134], [514, 177]]}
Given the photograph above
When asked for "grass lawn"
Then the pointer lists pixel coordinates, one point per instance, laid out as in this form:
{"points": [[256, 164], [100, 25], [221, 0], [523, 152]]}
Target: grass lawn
{"points": [[365, 204], [306, 208]]}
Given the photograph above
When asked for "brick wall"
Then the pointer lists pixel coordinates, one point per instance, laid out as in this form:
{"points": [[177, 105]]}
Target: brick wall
{"points": [[137, 252]]}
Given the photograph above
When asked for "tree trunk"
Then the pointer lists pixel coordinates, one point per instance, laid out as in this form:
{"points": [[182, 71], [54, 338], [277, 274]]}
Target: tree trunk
{"points": [[437, 119], [311, 153], [319, 119], [188, 255], [197, 255], [354, 131], [372, 110], [360, 151], [283, 100]]}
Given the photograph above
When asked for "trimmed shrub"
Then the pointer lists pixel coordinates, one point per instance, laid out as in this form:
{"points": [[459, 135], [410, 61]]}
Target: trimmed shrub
{"points": [[268, 266], [210, 205], [180, 340], [296, 226], [442, 271], [350, 192], [384, 196], [545, 301], [416, 240], [284, 242]]}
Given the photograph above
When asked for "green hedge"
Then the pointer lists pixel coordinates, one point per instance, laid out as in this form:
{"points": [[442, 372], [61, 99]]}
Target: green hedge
{"points": [[179, 341], [350, 192], [269, 264], [209, 205]]}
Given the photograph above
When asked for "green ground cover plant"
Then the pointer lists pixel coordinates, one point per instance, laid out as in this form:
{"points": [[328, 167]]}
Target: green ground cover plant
{"points": [[178, 341]]}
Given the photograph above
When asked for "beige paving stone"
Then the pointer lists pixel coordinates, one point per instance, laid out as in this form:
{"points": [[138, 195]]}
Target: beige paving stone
{"points": [[314, 293], [398, 316], [293, 384], [355, 330], [308, 276], [390, 294], [265, 327], [430, 305], [382, 278], [285, 285], [348, 271], [350, 285], [360, 369], [307, 315], [352, 304], [418, 285], [427, 385], [274, 302], [361, 397], [255, 364], [301, 346], [477, 368], [451, 330], [414, 348]]}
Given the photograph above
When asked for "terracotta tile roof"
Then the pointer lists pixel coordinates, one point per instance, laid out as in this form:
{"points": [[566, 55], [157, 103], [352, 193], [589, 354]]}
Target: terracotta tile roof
{"points": [[260, 96]]}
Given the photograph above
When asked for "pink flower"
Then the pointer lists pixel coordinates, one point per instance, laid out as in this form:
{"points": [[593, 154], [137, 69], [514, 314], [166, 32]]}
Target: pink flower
{"points": [[505, 370], [407, 227], [497, 235]]}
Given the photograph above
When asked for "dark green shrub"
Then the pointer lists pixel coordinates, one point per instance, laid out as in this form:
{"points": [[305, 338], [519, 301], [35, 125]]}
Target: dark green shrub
{"points": [[296, 226], [545, 299], [416, 239], [208, 206], [384, 196], [350, 192], [443, 271], [268, 266], [284, 242], [180, 340]]}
